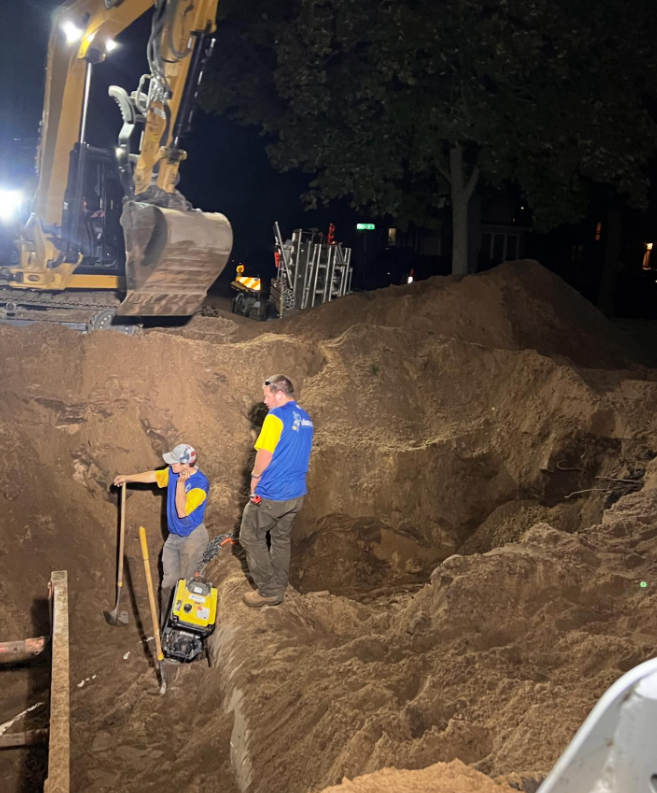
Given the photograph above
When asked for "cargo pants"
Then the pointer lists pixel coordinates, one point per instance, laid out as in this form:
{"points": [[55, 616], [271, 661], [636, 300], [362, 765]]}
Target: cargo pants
{"points": [[181, 558], [269, 566]]}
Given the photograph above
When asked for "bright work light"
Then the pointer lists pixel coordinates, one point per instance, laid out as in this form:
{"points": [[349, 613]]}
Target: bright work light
{"points": [[10, 204], [72, 32]]}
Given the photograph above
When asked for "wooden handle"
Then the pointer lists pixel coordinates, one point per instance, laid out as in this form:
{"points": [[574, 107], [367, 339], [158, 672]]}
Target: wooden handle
{"points": [[119, 577], [151, 595], [144, 545]]}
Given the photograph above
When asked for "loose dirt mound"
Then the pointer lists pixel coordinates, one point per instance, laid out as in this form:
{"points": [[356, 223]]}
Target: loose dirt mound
{"points": [[451, 416], [496, 661], [451, 777]]}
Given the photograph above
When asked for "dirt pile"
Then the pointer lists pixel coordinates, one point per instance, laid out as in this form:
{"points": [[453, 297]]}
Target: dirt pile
{"points": [[496, 661], [451, 416], [454, 777]]}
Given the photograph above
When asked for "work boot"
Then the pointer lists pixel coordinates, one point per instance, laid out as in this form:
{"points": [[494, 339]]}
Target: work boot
{"points": [[255, 600]]}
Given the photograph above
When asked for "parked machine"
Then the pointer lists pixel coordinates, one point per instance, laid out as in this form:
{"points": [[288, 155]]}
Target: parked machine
{"points": [[109, 234], [309, 271], [252, 296]]}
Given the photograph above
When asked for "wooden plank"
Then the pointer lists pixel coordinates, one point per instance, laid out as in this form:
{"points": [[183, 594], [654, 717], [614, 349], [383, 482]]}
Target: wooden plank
{"points": [[59, 745], [23, 738], [23, 650]]}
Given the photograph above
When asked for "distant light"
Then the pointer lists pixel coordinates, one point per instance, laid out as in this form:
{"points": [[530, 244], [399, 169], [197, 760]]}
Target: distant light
{"points": [[409, 280], [72, 32], [10, 204], [522, 208], [649, 246], [118, 151], [110, 45], [365, 226]]}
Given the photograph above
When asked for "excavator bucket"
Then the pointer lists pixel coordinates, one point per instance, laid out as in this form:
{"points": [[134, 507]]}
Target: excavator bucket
{"points": [[172, 258]]}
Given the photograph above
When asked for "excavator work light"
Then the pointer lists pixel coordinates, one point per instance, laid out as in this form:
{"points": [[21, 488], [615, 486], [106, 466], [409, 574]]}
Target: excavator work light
{"points": [[10, 204], [72, 32]]}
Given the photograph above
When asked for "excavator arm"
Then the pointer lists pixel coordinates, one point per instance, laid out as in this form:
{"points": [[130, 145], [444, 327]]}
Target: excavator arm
{"points": [[172, 253]]}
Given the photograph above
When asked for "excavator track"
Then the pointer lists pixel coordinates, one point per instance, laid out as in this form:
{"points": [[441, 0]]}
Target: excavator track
{"points": [[57, 300], [83, 311]]}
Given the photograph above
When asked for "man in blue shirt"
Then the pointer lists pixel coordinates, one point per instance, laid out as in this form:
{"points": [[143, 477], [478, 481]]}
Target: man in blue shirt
{"points": [[187, 498], [278, 486]]}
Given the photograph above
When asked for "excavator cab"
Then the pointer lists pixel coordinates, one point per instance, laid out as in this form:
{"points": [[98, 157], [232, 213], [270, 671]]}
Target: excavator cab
{"points": [[93, 202]]}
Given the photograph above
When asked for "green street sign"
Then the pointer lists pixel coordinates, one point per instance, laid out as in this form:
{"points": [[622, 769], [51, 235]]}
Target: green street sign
{"points": [[365, 226]]}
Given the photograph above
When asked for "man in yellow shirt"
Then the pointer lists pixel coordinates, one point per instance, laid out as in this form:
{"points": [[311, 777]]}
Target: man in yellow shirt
{"points": [[187, 498], [278, 487]]}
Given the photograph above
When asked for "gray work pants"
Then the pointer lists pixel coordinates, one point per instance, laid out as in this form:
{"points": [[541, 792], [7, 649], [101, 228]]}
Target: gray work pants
{"points": [[269, 566], [181, 558]]}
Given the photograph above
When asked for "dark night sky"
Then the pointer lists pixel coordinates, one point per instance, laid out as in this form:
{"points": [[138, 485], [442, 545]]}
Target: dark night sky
{"points": [[227, 169]]}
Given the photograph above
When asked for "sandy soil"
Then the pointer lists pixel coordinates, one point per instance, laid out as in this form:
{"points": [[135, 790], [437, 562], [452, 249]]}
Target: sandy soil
{"points": [[466, 567]]}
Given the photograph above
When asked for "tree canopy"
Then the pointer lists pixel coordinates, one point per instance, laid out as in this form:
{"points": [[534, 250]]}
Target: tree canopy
{"points": [[400, 106]]}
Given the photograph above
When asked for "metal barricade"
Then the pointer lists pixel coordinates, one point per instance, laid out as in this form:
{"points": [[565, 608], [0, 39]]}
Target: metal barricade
{"points": [[310, 272]]}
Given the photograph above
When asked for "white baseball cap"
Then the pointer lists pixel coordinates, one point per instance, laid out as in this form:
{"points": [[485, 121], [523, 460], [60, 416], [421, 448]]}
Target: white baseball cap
{"points": [[183, 453]]}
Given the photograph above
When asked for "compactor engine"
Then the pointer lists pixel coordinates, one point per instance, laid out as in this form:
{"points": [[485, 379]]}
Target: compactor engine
{"points": [[192, 617]]}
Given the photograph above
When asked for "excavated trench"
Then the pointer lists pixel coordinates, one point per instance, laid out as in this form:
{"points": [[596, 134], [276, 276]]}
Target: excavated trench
{"points": [[480, 510]]}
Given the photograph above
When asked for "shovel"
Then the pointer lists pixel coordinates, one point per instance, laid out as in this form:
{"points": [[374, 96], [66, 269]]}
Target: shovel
{"points": [[116, 617]]}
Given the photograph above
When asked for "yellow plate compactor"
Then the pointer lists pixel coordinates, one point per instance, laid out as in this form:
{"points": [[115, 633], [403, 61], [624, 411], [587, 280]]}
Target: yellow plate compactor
{"points": [[192, 619]]}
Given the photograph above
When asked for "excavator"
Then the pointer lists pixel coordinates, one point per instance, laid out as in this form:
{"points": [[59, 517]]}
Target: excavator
{"points": [[110, 240]]}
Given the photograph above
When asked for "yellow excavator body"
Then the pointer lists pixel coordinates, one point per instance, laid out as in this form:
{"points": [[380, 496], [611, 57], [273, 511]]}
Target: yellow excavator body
{"points": [[165, 254]]}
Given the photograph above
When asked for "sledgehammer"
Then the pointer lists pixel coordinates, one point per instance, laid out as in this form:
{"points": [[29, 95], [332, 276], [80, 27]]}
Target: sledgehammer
{"points": [[116, 617]]}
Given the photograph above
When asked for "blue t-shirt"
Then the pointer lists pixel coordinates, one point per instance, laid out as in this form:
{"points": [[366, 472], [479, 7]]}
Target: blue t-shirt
{"points": [[197, 489], [287, 432]]}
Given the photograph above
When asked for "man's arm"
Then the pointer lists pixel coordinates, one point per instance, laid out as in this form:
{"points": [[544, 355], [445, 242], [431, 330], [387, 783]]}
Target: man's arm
{"points": [[181, 496], [145, 478], [265, 446], [262, 460]]}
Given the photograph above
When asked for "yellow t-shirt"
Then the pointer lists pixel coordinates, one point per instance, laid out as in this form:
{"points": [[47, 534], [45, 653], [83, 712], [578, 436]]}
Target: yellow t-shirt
{"points": [[195, 497], [270, 434]]}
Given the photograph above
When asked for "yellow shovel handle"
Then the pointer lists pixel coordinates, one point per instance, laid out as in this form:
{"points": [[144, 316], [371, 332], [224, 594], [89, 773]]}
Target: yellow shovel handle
{"points": [[151, 594]]}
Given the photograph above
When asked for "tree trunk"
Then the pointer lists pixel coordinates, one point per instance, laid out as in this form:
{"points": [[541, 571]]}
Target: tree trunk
{"points": [[611, 261], [461, 192], [459, 231]]}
